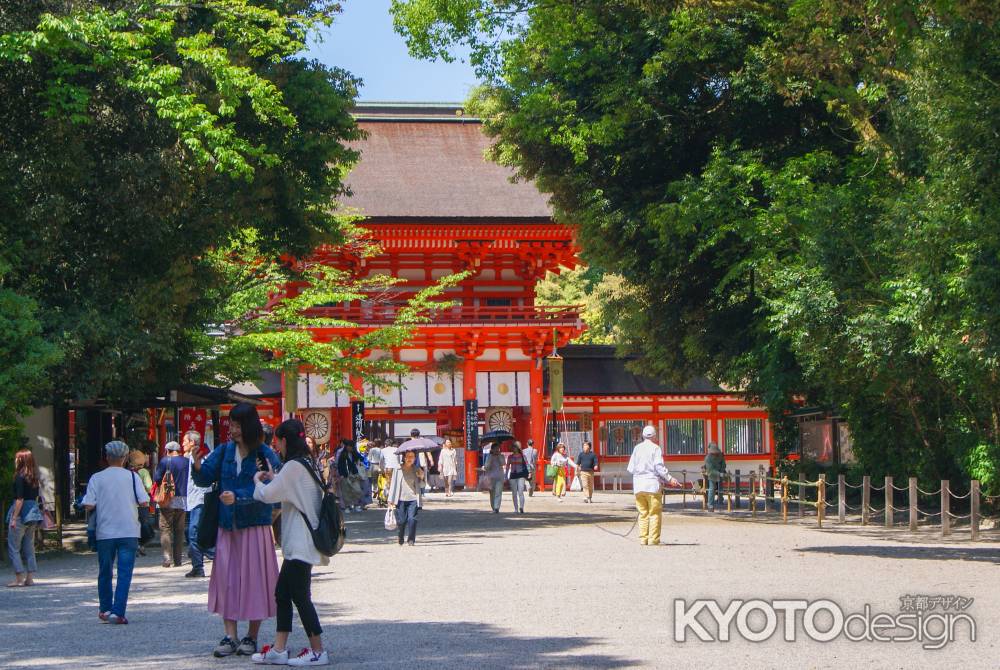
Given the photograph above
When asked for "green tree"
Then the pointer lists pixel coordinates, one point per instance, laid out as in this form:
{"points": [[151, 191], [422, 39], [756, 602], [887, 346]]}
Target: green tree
{"points": [[800, 194], [139, 136]]}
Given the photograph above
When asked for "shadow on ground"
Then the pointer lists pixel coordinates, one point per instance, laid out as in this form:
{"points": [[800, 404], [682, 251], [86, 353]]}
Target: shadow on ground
{"points": [[55, 624], [982, 554]]}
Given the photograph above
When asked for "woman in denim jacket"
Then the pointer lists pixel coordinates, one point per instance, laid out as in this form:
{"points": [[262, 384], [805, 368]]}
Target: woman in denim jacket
{"points": [[245, 570]]}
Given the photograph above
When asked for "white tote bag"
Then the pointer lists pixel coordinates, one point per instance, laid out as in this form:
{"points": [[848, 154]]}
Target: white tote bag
{"points": [[577, 485], [390, 519]]}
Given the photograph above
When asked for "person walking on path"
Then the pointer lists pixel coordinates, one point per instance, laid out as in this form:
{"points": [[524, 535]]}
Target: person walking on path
{"points": [[588, 465], [404, 497], [171, 477], [114, 494], [350, 483], [493, 469], [23, 519], [390, 462], [448, 467], [531, 459], [517, 475], [299, 494], [245, 571], [195, 506], [715, 471], [562, 463], [648, 477], [137, 462]]}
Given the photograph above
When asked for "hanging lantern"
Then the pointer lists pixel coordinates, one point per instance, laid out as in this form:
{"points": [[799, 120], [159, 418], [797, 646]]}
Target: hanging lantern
{"points": [[555, 363]]}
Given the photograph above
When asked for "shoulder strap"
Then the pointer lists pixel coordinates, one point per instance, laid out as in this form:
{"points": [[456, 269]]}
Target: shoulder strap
{"points": [[136, 495], [312, 471]]}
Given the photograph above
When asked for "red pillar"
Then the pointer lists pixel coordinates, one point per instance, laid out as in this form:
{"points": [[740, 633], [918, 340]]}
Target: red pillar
{"points": [[538, 419], [469, 393]]}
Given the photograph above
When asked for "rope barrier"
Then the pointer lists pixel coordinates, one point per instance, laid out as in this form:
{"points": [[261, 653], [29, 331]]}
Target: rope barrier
{"points": [[958, 497], [852, 486], [901, 488], [876, 488], [957, 516], [927, 493]]}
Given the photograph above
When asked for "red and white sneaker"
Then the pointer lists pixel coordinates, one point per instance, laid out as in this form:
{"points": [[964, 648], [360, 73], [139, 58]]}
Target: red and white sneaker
{"points": [[114, 618], [310, 657], [270, 656], [103, 616]]}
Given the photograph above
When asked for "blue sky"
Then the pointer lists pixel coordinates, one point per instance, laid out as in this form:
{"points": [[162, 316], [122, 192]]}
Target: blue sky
{"points": [[363, 42]]}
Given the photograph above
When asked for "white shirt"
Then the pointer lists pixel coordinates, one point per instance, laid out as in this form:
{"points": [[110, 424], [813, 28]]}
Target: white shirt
{"points": [[113, 492], [389, 459], [646, 466], [296, 490], [195, 493]]}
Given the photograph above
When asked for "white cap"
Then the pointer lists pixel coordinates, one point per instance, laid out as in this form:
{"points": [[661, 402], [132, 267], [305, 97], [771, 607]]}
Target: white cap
{"points": [[648, 432]]}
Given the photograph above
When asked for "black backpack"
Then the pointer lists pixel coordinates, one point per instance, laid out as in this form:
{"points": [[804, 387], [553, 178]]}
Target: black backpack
{"points": [[329, 535]]}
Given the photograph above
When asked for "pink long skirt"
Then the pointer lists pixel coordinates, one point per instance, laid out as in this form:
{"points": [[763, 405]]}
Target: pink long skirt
{"points": [[244, 574]]}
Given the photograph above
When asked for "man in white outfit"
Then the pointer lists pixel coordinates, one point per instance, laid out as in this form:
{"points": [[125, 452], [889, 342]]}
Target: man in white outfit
{"points": [[649, 474]]}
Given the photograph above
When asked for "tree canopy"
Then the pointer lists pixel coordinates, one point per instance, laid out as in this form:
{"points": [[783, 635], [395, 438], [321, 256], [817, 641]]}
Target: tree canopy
{"points": [[138, 137], [800, 194]]}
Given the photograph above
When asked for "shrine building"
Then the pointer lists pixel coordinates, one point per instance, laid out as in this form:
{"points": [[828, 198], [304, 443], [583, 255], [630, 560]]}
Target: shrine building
{"points": [[436, 207]]}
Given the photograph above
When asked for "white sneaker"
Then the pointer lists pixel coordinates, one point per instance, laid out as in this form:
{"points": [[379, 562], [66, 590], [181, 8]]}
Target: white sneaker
{"points": [[310, 657], [270, 656]]}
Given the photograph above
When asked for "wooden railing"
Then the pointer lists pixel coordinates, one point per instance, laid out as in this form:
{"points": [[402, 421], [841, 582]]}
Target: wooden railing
{"points": [[385, 313]]}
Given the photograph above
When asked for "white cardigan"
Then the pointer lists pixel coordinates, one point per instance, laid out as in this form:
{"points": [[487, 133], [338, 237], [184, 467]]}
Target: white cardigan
{"points": [[296, 490]]}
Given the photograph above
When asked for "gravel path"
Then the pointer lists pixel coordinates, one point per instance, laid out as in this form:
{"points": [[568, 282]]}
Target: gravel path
{"points": [[557, 587]]}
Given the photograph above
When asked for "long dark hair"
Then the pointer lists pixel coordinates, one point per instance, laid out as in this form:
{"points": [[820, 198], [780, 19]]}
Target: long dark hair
{"points": [[294, 434], [24, 465], [246, 415]]}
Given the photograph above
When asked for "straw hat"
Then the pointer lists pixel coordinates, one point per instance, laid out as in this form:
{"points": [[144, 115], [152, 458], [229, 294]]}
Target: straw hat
{"points": [[137, 459]]}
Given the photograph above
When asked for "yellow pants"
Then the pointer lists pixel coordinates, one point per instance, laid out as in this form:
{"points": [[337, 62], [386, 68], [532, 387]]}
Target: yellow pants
{"points": [[650, 508], [559, 488]]}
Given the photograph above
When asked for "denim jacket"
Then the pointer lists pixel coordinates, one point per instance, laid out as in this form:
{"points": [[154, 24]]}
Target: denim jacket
{"points": [[246, 511], [30, 512]]}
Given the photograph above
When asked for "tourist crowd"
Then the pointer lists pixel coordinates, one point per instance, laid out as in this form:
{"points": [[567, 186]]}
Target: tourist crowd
{"points": [[233, 503]]}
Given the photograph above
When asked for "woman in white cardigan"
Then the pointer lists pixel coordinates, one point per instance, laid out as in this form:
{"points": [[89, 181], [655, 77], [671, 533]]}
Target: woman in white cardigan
{"points": [[296, 488]]}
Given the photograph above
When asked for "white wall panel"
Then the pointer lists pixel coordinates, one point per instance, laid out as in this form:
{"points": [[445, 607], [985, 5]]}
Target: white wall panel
{"points": [[443, 391], [415, 390]]}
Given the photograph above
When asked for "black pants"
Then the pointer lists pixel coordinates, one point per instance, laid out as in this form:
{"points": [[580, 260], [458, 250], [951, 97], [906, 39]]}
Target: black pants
{"points": [[294, 586]]}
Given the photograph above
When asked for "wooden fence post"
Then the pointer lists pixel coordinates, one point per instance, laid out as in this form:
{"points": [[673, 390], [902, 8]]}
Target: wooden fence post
{"points": [[841, 498], [866, 499], [729, 493], [821, 500], [974, 509], [802, 494], [768, 491], [684, 494], [945, 508], [738, 485], [889, 499], [784, 499], [913, 503]]}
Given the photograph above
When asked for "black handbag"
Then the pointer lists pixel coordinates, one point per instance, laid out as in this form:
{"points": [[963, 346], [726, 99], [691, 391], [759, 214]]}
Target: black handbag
{"points": [[92, 530], [208, 525], [146, 530]]}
